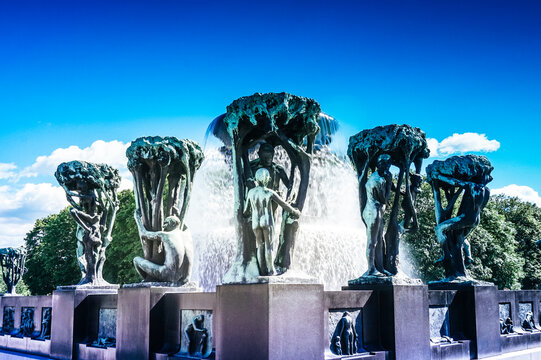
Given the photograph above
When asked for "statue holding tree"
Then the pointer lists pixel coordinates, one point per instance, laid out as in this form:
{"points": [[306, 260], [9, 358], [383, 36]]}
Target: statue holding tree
{"points": [[91, 190], [12, 263], [263, 122], [372, 153], [461, 179], [163, 171]]}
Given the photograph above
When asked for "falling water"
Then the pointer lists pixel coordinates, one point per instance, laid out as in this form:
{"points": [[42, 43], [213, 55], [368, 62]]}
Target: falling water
{"points": [[331, 240]]}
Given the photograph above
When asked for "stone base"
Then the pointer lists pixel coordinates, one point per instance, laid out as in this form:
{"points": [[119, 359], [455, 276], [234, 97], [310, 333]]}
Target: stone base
{"points": [[366, 282], [289, 277], [137, 304], [270, 321], [401, 315], [88, 287], [189, 286], [377, 355], [65, 300], [460, 283]]}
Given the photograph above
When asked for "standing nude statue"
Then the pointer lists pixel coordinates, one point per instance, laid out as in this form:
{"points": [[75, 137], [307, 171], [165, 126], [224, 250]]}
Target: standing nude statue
{"points": [[178, 248], [259, 202], [378, 189]]}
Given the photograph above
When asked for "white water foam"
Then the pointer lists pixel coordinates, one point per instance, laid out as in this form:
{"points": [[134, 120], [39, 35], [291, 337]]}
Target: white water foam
{"points": [[331, 240]]}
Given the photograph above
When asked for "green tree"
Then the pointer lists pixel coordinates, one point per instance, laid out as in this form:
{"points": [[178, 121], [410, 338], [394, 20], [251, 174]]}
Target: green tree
{"points": [[526, 220], [118, 267], [51, 260]]}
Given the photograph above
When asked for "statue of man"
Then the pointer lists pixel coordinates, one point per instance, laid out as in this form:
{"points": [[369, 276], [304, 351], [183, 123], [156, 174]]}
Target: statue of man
{"points": [[474, 200], [378, 189], [276, 172], [259, 202], [177, 266]]}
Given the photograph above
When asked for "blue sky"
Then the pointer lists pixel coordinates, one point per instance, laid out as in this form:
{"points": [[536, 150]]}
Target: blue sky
{"points": [[76, 72]]}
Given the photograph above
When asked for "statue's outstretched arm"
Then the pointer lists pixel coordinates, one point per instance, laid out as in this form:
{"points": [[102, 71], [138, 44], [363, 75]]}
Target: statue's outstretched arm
{"points": [[284, 205]]}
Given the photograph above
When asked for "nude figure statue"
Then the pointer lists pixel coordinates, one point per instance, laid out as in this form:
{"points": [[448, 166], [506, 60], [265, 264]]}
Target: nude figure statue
{"points": [[259, 202], [178, 249], [378, 189]]}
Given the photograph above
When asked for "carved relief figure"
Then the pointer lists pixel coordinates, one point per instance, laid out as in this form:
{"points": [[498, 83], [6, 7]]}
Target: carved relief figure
{"points": [[344, 337], [198, 337], [27, 322], [529, 322], [45, 331], [260, 202], [8, 320]]}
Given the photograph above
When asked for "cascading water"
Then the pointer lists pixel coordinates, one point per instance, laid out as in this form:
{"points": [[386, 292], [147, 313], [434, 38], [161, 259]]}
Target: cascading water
{"points": [[331, 240]]}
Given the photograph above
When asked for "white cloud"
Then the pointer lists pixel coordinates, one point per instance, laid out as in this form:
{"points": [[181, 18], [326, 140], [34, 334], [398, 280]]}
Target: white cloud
{"points": [[20, 208], [524, 193], [112, 153], [461, 143], [21, 205], [432, 146], [7, 171], [41, 198], [13, 231]]}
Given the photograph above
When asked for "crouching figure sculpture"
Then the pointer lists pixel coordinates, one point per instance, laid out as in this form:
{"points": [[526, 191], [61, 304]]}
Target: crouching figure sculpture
{"points": [[163, 169]]}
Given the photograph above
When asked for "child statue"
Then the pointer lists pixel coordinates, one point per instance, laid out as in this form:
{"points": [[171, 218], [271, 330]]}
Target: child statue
{"points": [[259, 202]]}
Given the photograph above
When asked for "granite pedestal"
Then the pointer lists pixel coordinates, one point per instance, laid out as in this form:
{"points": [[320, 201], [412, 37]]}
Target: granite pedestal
{"points": [[136, 330], [474, 313], [270, 321], [65, 302], [402, 316]]}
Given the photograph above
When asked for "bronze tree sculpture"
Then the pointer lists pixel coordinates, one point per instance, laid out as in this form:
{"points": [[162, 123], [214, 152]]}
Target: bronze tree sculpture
{"points": [[274, 119], [163, 171], [458, 177], [12, 263], [372, 152], [95, 188]]}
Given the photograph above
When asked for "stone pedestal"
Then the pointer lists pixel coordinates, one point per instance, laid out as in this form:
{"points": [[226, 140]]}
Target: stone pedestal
{"points": [[402, 317], [474, 312], [270, 321], [65, 300], [137, 306]]}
